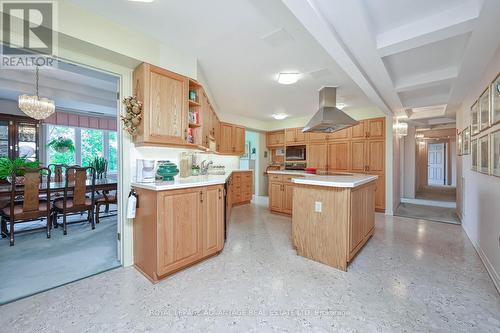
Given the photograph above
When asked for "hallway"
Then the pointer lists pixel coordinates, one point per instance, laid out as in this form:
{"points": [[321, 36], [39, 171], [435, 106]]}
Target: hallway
{"points": [[437, 193], [413, 275]]}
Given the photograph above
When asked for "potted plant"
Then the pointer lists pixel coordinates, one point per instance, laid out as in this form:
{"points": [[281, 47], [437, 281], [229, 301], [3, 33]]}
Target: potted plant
{"points": [[62, 145], [7, 166], [100, 164]]}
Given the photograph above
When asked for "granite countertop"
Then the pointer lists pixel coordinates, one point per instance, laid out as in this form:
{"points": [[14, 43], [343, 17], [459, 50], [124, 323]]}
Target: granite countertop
{"points": [[193, 181], [340, 179]]}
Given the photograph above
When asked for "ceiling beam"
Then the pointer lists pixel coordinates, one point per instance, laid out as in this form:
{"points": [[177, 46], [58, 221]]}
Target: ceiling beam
{"points": [[454, 22], [423, 80], [319, 27]]}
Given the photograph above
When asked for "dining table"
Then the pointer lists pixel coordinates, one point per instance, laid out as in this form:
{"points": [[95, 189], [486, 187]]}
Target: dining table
{"points": [[103, 184]]}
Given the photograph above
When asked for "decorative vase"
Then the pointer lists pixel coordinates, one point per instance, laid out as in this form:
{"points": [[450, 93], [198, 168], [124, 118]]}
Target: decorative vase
{"points": [[167, 170]]}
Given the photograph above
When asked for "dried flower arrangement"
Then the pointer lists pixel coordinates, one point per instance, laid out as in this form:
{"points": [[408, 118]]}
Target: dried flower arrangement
{"points": [[133, 114]]}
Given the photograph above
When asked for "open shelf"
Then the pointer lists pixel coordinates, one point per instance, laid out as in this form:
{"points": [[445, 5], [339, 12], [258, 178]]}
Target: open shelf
{"points": [[194, 125], [194, 103]]}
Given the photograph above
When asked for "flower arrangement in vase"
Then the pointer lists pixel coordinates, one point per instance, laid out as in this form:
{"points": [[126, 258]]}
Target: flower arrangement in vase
{"points": [[133, 114]]}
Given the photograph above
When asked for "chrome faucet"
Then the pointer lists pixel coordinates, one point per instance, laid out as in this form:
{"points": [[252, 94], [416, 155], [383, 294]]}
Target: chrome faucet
{"points": [[204, 166]]}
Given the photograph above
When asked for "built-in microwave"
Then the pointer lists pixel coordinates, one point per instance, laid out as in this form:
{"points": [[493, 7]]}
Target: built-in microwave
{"points": [[295, 153]]}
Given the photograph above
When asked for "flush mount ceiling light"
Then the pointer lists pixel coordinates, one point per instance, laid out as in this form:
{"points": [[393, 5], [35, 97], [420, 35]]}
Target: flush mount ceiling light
{"points": [[288, 78], [340, 106], [34, 106], [279, 116], [141, 0]]}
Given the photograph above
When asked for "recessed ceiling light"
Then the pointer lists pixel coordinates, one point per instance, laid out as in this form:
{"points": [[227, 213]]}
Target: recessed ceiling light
{"points": [[141, 0], [288, 78], [341, 106], [279, 116]]}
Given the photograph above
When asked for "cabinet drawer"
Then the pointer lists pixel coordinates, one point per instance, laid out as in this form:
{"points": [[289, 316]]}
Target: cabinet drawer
{"points": [[274, 178]]}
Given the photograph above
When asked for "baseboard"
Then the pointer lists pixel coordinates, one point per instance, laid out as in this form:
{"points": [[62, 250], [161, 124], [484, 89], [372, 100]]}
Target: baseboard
{"points": [[486, 262], [424, 202]]}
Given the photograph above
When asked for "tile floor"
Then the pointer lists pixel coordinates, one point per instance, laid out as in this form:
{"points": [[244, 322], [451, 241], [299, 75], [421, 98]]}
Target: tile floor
{"points": [[412, 276]]}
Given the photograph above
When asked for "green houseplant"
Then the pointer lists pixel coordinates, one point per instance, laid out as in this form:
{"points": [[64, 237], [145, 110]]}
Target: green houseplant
{"points": [[62, 145], [100, 164], [7, 166]]}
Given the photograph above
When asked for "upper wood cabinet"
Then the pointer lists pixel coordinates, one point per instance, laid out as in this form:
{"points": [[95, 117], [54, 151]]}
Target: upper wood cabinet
{"points": [[317, 156], [358, 156], [375, 155], [340, 135], [294, 136], [275, 139], [358, 131], [317, 137], [338, 156], [165, 105], [375, 128], [232, 139]]}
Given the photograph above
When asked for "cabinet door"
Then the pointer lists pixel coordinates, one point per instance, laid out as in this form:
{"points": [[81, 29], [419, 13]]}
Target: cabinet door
{"points": [[275, 196], [338, 156], [238, 140], [358, 218], [226, 138], [216, 125], [279, 139], [300, 137], [380, 193], [290, 136], [358, 156], [358, 131], [340, 135], [206, 124], [317, 156], [168, 107], [213, 223], [370, 219], [180, 224], [375, 155], [287, 198], [376, 128], [317, 137]]}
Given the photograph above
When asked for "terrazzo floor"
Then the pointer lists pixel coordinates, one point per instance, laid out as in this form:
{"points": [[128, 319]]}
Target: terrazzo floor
{"points": [[412, 276]]}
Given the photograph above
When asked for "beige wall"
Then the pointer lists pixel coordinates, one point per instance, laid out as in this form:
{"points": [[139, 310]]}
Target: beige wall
{"points": [[478, 194]]}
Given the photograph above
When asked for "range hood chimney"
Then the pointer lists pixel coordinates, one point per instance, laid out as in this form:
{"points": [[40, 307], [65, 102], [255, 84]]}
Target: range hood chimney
{"points": [[328, 118]]}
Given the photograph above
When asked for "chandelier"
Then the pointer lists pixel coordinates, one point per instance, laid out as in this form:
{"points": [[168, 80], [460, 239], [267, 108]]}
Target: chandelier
{"points": [[34, 106]]}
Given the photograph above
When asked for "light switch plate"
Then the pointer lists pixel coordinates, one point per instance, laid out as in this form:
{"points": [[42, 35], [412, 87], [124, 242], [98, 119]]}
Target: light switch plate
{"points": [[318, 206]]}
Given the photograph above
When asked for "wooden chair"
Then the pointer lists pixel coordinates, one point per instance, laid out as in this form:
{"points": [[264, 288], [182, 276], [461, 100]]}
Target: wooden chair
{"points": [[32, 207], [75, 199], [58, 172], [106, 199]]}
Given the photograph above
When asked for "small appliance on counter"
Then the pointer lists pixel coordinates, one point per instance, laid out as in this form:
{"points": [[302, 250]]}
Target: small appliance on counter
{"points": [[295, 165], [145, 171], [167, 170]]}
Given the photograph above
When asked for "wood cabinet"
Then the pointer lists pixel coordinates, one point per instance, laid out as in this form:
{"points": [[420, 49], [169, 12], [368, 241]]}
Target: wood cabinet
{"points": [[294, 136], [281, 193], [232, 139], [165, 105], [375, 128], [316, 137], [317, 156], [17, 133], [358, 156], [375, 155], [338, 156], [358, 131], [174, 229], [340, 135], [275, 139], [241, 187], [362, 221]]}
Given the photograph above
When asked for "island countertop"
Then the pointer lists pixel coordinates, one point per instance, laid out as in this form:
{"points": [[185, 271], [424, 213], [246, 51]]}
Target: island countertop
{"points": [[188, 182], [345, 180]]}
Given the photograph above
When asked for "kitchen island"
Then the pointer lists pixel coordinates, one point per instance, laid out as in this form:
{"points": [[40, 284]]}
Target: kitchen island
{"points": [[333, 216]]}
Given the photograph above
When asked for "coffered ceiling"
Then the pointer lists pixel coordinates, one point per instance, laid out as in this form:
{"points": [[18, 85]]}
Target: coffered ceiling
{"points": [[415, 58]]}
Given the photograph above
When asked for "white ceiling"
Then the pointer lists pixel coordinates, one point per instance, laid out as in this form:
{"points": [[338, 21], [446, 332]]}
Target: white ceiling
{"points": [[407, 54], [241, 45], [73, 88]]}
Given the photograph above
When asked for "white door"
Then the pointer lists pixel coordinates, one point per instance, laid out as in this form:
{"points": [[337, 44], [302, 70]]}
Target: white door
{"points": [[436, 165]]}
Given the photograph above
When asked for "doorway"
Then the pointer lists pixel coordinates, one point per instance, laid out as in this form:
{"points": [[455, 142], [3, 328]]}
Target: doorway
{"points": [[87, 111], [436, 164]]}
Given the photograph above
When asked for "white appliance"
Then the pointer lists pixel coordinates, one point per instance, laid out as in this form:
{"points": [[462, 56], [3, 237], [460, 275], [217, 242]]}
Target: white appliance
{"points": [[145, 171]]}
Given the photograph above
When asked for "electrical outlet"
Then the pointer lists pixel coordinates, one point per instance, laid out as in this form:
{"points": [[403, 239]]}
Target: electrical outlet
{"points": [[318, 206]]}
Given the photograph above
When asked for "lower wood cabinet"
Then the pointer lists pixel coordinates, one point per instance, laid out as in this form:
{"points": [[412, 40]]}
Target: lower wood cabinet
{"points": [[241, 187], [174, 229], [281, 193]]}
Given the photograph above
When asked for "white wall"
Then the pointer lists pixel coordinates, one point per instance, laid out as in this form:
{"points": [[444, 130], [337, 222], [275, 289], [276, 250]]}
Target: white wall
{"points": [[408, 164], [479, 194], [393, 196]]}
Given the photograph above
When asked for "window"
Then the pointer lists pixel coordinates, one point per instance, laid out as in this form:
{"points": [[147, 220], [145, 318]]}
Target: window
{"points": [[89, 143], [54, 157]]}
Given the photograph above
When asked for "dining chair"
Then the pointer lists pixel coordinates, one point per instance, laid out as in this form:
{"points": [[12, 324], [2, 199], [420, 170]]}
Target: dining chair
{"points": [[32, 206], [105, 199], [75, 198], [58, 172]]}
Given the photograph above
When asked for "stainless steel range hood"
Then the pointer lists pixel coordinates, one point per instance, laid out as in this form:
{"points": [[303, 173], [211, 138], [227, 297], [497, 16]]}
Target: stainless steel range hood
{"points": [[328, 118]]}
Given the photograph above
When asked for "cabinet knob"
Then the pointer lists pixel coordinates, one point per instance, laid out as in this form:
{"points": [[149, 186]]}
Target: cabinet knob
{"points": [[201, 196]]}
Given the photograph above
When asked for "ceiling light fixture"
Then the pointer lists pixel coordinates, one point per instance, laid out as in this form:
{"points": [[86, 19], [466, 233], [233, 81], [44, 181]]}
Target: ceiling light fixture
{"points": [[288, 78], [279, 116], [141, 0], [34, 106], [340, 106]]}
